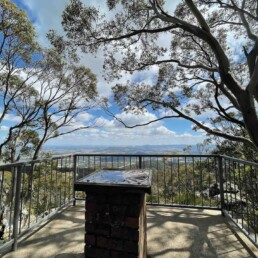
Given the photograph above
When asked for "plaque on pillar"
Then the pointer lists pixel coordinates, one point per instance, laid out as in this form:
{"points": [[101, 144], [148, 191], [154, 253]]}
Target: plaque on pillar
{"points": [[115, 212]]}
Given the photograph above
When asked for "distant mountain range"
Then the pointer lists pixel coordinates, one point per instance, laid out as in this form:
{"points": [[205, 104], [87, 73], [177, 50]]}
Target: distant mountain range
{"points": [[139, 149]]}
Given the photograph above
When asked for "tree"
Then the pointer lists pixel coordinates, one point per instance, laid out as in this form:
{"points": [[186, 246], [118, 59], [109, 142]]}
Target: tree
{"points": [[26, 109], [66, 89], [44, 89], [60, 90], [193, 49], [17, 47], [23, 143], [19, 53], [234, 149]]}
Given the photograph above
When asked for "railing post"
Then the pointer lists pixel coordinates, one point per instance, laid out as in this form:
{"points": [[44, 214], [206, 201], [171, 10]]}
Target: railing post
{"points": [[74, 177], [17, 206], [140, 162], [222, 200]]}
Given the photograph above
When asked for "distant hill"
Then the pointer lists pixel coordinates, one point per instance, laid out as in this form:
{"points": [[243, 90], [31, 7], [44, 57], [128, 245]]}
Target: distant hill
{"points": [[139, 149]]}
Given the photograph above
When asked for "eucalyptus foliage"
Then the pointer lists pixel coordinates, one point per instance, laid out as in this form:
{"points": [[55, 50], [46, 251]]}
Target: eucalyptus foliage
{"points": [[41, 90], [204, 54]]}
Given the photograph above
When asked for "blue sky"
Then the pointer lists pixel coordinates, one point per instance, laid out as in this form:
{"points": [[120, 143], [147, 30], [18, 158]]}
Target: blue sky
{"points": [[46, 15]]}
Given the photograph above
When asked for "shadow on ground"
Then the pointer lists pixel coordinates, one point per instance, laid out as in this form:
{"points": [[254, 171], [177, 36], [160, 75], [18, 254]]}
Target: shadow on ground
{"points": [[192, 233], [171, 233], [69, 255]]}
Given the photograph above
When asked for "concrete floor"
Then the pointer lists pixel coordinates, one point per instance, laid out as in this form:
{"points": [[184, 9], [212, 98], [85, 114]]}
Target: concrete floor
{"points": [[172, 232]]}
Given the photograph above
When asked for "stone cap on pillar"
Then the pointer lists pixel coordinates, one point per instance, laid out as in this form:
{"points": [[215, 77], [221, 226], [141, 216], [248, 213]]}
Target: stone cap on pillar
{"points": [[116, 180]]}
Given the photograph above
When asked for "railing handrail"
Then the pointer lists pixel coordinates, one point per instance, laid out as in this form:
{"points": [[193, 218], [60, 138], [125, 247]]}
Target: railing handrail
{"points": [[29, 162], [146, 155], [246, 162]]}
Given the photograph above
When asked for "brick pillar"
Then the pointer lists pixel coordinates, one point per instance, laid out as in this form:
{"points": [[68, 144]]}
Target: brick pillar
{"points": [[115, 224]]}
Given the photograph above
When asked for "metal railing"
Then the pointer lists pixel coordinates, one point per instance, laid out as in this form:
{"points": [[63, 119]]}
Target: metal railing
{"points": [[30, 193], [193, 181], [178, 180], [33, 191], [240, 191]]}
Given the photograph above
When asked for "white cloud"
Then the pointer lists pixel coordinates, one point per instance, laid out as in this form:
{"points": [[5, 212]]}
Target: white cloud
{"points": [[4, 128], [84, 117], [122, 136], [131, 119], [12, 118], [47, 15], [162, 130], [111, 132]]}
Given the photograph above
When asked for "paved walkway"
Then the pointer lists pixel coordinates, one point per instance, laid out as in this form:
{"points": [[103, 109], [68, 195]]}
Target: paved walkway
{"points": [[172, 232]]}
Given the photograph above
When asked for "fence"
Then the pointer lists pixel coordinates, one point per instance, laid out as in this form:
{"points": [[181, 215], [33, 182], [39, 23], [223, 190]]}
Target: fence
{"points": [[34, 191], [240, 191], [193, 181], [181, 180]]}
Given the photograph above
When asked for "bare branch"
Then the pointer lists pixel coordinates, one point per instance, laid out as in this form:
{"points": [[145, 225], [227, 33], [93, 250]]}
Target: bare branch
{"points": [[138, 125], [198, 15], [69, 132], [251, 35], [225, 114], [197, 66]]}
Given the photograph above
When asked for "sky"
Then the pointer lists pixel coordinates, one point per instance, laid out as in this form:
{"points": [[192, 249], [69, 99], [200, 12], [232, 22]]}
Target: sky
{"points": [[46, 15]]}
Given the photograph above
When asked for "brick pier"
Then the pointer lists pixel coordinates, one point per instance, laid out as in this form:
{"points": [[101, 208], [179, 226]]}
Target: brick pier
{"points": [[115, 213], [115, 225]]}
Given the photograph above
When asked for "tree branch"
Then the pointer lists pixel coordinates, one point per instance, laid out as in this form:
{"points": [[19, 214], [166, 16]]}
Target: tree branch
{"points": [[68, 132], [134, 33], [198, 15], [252, 87], [251, 35], [226, 116], [197, 66], [205, 128], [224, 64], [138, 125]]}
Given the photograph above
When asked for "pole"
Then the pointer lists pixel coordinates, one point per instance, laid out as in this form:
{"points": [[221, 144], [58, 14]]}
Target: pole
{"points": [[17, 205], [222, 200]]}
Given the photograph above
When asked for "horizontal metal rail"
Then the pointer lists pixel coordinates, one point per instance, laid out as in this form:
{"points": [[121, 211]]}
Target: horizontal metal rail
{"points": [[29, 162], [147, 155]]}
